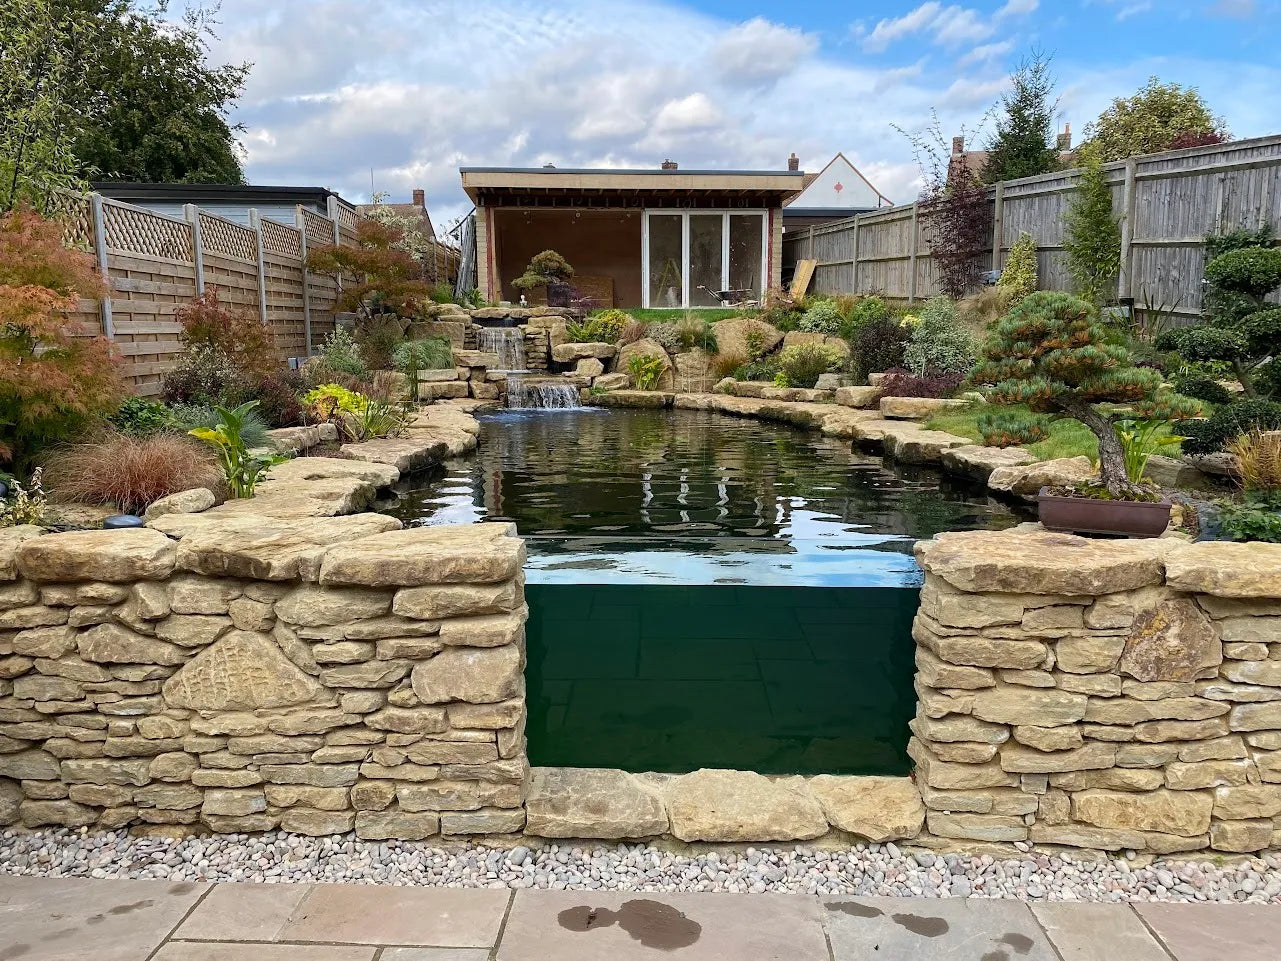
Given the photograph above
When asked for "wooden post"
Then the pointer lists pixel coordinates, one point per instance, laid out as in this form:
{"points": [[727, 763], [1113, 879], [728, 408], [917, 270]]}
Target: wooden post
{"points": [[809, 255], [911, 281], [331, 207], [300, 221], [998, 225], [100, 248], [192, 215], [255, 224], [854, 265], [1125, 277]]}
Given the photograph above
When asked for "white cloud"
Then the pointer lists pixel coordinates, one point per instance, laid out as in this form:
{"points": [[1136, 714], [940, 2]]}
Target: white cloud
{"points": [[695, 112], [1018, 8], [759, 51], [985, 52], [1235, 9], [948, 25]]}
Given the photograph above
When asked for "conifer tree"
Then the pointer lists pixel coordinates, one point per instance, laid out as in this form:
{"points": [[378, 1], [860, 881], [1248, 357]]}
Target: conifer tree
{"points": [[1024, 143]]}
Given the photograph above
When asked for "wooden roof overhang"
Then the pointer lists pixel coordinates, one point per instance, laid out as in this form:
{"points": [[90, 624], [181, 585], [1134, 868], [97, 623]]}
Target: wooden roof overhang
{"points": [[610, 189]]}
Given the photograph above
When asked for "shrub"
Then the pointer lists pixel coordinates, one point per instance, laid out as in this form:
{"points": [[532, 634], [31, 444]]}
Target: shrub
{"points": [[878, 346], [377, 336], [1019, 276], [1093, 236], [867, 310], [189, 417], [203, 375], [665, 335], [1254, 271], [138, 417], [53, 379], [612, 322], [803, 364], [1202, 388], [431, 353], [378, 275], [587, 331], [1228, 423], [938, 344], [342, 353], [315, 371], [1249, 522], [130, 472], [902, 383], [26, 504], [821, 317], [277, 397], [646, 370], [441, 293], [763, 368], [780, 310], [357, 416], [236, 332], [1006, 429]]}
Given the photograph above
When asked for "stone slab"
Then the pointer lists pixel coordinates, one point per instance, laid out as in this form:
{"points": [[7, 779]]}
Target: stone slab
{"points": [[213, 951], [1213, 932], [388, 914], [1097, 932], [950, 929], [52, 919], [591, 925], [435, 954], [243, 912]]}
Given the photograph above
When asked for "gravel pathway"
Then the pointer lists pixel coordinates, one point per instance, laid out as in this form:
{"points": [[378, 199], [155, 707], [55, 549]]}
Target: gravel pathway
{"points": [[869, 870]]}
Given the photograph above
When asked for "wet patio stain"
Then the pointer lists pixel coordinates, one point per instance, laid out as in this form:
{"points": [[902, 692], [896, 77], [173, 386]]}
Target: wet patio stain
{"points": [[925, 927], [652, 923], [1021, 943], [856, 910]]}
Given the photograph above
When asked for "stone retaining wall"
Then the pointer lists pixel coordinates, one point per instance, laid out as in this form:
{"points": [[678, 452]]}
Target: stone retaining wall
{"points": [[317, 676]]}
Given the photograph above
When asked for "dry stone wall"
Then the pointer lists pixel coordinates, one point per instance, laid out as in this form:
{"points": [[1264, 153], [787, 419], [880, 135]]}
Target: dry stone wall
{"points": [[322, 677], [1115, 695]]}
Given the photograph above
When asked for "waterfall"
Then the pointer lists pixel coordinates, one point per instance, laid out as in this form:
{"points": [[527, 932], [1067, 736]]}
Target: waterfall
{"points": [[507, 342], [540, 394]]}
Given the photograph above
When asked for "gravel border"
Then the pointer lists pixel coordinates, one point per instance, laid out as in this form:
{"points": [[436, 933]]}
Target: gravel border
{"points": [[865, 870]]}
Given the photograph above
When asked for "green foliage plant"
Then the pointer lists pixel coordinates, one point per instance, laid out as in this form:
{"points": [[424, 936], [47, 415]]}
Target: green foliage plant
{"points": [[938, 344], [1250, 521], [411, 356], [1140, 439], [253, 429], [1005, 428], [342, 353], [139, 417], [1203, 388], [803, 364], [25, 504], [878, 346], [611, 323], [821, 317], [1024, 143], [1053, 354], [1019, 275], [694, 333], [1093, 235], [646, 370], [1154, 119], [241, 467], [1228, 423]]}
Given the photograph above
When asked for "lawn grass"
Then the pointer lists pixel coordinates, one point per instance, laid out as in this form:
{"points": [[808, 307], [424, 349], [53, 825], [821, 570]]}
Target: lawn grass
{"points": [[709, 314], [1068, 438]]}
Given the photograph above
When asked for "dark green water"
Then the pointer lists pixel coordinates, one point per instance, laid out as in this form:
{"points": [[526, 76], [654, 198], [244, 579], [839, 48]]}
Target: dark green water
{"points": [[707, 591]]}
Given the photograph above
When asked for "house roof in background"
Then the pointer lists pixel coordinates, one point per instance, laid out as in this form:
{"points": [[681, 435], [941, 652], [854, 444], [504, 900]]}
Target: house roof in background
{"points": [[215, 193], [803, 200]]}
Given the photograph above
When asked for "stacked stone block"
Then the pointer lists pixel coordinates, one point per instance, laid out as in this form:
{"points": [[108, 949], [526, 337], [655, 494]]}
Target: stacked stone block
{"points": [[374, 683], [1115, 695]]}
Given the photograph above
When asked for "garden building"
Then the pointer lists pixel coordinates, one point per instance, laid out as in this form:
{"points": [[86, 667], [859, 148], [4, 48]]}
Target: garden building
{"points": [[636, 238], [229, 201]]}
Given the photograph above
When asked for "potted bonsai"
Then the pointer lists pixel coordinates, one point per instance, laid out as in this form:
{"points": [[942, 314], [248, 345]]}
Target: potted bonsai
{"points": [[548, 269], [1052, 353]]}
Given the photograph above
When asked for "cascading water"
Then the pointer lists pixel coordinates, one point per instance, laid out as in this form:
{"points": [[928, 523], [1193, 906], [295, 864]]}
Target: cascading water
{"points": [[508, 343], [540, 394]]}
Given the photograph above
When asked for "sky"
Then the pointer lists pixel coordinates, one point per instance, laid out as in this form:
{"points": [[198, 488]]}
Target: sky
{"points": [[389, 95]]}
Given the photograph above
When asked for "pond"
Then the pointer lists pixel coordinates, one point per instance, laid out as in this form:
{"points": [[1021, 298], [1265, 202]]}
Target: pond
{"points": [[707, 591]]}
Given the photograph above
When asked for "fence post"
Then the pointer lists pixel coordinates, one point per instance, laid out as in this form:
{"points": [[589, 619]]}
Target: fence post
{"points": [[854, 258], [998, 225], [191, 213], [255, 224], [911, 280], [331, 208], [100, 248], [809, 254], [300, 221], [1125, 278]]}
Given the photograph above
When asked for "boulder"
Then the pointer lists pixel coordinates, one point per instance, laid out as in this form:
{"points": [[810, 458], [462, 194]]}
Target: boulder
{"points": [[694, 374], [1028, 481], [454, 554], [833, 381], [10, 540], [1223, 569], [647, 348], [589, 367], [1030, 560], [916, 408], [108, 555], [413, 451], [1177, 473], [184, 502], [913, 445], [741, 807], [860, 397], [612, 381], [429, 391], [979, 463], [592, 803], [569, 353], [732, 334], [475, 358], [879, 809]]}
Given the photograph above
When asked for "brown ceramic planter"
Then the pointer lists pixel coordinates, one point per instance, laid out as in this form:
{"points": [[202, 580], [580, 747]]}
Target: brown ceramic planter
{"points": [[559, 295], [1091, 515]]}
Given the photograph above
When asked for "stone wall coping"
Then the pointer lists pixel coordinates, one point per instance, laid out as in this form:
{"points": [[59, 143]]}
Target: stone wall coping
{"points": [[115, 556]]}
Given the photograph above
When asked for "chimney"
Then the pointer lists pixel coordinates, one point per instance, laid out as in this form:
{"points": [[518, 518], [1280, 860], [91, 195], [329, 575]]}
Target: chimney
{"points": [[1065, 138], [420, 197], [958, 145], [670, 165], [793, 162]]}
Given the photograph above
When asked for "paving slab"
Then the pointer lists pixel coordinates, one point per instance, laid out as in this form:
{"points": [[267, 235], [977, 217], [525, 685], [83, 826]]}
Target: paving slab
{"points": [[1097, 932], [1213, 932], [71, 919], [389, 914], [435, 954], [243, 912], [949, 929], [249, 951], [591, 925]]}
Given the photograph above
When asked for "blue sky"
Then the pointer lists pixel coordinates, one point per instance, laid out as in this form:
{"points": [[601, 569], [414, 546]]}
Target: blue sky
{"points": [[414, 88]]}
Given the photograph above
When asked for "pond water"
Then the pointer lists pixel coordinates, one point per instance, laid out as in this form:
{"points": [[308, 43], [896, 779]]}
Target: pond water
{"points": [[707, 591]]}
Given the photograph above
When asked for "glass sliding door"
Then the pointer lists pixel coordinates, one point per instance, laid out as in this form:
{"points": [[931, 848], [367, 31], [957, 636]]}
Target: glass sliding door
{"points": [[689, 256], [705, 259], [746, 255], [665, 257]]}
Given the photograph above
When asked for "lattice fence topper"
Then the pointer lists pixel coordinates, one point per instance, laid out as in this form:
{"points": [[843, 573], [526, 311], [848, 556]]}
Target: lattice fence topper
{"points": [[74, 213], [346, 218], [142, 232], [229, 239], [320, 230], [280, 239]]}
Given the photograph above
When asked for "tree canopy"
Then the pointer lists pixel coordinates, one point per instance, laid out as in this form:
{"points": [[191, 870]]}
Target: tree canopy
{"points": [[1024, 143], [1159, 116]]}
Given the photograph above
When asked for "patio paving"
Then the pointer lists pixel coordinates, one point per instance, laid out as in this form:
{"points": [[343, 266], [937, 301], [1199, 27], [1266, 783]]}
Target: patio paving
{"points": [[45, 919]]}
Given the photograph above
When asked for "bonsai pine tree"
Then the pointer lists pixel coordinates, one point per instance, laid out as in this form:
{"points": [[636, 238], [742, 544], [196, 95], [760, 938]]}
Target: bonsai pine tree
{"points": [[1053, 354], [544, 270]]}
